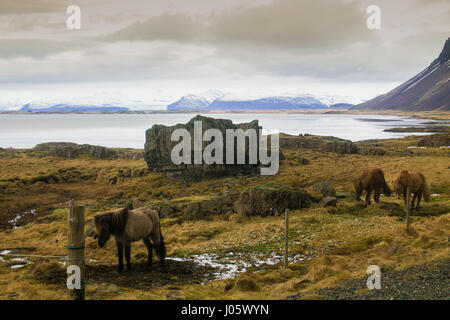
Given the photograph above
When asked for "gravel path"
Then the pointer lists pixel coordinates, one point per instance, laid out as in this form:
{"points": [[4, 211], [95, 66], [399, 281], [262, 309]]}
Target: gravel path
{"points": [[419, 282]]}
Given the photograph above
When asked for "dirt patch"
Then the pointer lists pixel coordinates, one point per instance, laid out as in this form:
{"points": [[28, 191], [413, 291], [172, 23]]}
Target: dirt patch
{"points": [[171, 273]]}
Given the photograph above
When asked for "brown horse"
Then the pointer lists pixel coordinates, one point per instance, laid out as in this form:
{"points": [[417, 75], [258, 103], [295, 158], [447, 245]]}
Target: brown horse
{"points": [[417, 184], [371, 180], [129, 226]]}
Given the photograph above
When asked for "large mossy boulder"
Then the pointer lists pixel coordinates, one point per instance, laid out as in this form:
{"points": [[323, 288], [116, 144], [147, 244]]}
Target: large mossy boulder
{"points": [[271, 200], [158, 149], [435, 140], [72, 150], [327, 144], [325, 188], [69, 150]]}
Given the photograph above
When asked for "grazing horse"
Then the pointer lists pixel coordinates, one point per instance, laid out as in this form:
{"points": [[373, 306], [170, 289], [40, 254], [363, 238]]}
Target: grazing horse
{"points": [[128, 226], [371, 180], [417, 184]]}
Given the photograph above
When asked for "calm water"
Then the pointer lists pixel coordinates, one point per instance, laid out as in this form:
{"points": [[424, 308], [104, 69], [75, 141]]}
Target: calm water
{"points": [[128, 130]]}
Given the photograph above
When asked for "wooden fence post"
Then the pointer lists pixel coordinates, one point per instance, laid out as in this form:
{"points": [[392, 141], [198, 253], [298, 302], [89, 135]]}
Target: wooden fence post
{"points": [[408, 206], [75, 248], [286, 236]]}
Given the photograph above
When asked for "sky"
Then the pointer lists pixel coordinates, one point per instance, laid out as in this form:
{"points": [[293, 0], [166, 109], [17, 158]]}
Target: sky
{"points": [[149, 53]]}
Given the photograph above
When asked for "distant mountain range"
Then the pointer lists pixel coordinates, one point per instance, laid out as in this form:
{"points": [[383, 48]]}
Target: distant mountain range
{"points": [[69, 108], [199, 103], [429, 90]]}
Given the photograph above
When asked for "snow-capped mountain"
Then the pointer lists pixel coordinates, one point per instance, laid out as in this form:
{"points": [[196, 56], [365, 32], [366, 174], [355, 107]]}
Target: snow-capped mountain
{"points": [[268, 103], [195, 102], [259, 100]]}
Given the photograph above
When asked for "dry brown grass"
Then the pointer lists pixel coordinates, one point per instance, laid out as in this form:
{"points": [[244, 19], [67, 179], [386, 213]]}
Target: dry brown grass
{"points": [[341, 242]]}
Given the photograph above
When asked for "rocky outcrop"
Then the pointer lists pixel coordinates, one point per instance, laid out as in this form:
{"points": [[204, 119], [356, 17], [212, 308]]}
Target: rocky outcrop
{"points": [[158, 149], [190, 210], [7, 153], [327, 144], [214, 206], [435, 140], [324, 188], [271, 200], [71, 150]]}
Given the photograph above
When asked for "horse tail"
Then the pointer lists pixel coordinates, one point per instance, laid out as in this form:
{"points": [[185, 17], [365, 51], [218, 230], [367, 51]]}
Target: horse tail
{"points": [[426, 191], [161, 247]]}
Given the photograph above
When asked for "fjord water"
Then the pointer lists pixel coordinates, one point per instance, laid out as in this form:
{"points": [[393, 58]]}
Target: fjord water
{"points": [[128, 130]]}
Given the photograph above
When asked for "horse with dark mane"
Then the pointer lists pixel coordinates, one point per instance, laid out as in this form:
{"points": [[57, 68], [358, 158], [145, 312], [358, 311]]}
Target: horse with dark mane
{"points": [[371, 180], [417, 184], [128, 226]]}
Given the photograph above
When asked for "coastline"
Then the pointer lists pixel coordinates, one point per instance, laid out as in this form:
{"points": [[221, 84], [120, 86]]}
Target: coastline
{"points": [[434, 115]]}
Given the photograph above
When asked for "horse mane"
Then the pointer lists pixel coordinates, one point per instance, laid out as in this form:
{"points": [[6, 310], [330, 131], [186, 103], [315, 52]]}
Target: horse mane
{"points": [[119, 221]]}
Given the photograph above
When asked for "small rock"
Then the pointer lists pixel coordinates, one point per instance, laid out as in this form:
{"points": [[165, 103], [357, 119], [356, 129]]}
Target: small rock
{"points": [[328, 202]]}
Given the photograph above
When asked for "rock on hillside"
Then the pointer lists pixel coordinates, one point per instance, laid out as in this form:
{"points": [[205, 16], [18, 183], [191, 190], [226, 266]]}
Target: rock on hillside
{"points": [[435, 140], [271, 200], [158, 149], [71, 150], [328, 144]]}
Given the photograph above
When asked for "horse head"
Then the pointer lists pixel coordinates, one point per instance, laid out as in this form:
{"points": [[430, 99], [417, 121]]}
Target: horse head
{"points": [[102, 223], [358, 188]]}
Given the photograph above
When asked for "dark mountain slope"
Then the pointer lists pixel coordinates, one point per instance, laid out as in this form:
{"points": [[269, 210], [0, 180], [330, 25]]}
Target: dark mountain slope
{"points": [[429, 90]]}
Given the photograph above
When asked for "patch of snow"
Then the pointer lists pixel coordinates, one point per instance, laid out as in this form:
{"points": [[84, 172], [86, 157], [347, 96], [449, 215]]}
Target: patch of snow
{"points": [[19, 216], [234, 263]]}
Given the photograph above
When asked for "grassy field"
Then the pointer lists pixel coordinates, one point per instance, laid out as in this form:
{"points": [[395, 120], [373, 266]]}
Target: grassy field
{"points": [[330, 244]]}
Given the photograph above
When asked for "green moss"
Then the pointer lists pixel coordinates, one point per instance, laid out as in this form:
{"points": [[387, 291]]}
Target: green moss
{"points": [[361, 244]]}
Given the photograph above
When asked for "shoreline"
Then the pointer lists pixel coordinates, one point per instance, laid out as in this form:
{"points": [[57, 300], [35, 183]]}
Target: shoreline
{"points": [[436, 115]]}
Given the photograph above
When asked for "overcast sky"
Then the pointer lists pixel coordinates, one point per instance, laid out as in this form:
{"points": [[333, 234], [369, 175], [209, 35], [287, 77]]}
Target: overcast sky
{"points": [[155, 51]]}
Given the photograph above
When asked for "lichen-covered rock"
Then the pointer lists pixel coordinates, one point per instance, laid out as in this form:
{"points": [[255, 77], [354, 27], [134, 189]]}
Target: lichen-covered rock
{"points": [[158, 149], [214, 206], [435, 140], [324, 188], [271, 200], [71, 150], [328, 202], [327, 144]]}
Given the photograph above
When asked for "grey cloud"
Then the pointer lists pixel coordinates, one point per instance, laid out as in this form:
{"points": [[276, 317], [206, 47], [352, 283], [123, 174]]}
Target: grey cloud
{"points": [[281, 23], [38, 48], [177, 27]]}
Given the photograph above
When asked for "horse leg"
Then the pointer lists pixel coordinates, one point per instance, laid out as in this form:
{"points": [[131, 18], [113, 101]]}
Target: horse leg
{"points": [[149, 246], [159, 246], [376, 197], [419, 197], [127, 254], [413, 200], [369, 191], [120, 255]]}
